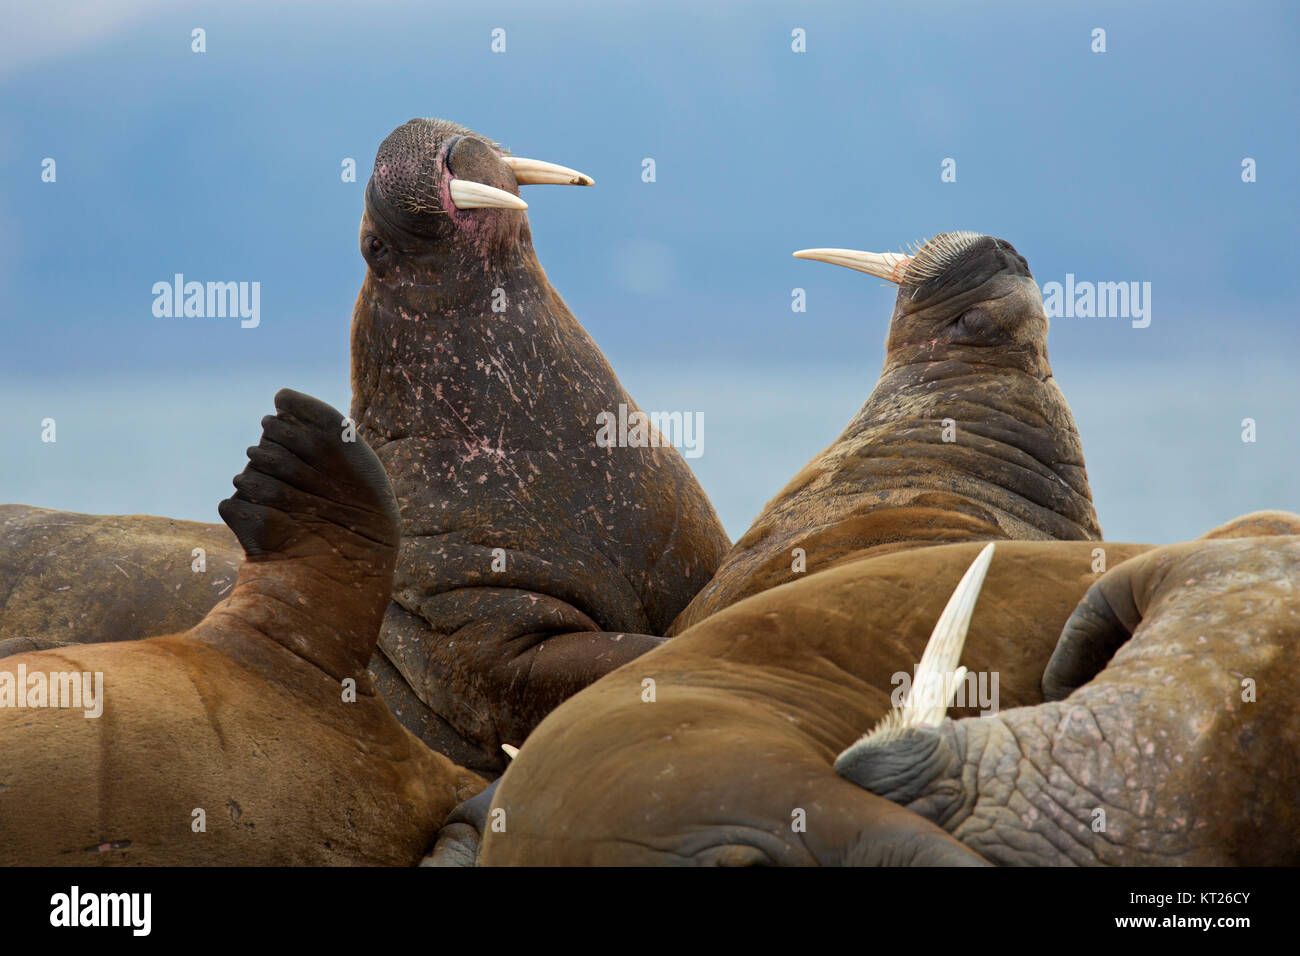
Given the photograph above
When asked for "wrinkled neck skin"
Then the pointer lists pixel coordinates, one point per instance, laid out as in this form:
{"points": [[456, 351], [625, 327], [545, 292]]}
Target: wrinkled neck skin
{"points": [[974, 414], [959, 441]]}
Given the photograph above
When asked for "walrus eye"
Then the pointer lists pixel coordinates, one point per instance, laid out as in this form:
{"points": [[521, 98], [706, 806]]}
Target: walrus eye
{"points": [[375, 251], [972, 321]]}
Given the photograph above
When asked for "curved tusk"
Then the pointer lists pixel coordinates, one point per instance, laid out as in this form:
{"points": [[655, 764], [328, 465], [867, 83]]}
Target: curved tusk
{"points": [[536, 172], [943, 652], [511, 752], [929, 698], [467, 194], [885, 265]]}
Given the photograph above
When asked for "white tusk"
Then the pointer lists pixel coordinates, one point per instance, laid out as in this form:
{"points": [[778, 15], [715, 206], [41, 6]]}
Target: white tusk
{"points": [[885, 265], [467, 194], [943, 652], [511, 752], [929, 698], [536, 172]]}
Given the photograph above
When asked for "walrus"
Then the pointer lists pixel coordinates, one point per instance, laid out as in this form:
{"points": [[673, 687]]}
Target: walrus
{"points": [[727, 756], [1170, 735], [535, 558], [718, 746], [69, 578], [966, 436], [255, 737]]}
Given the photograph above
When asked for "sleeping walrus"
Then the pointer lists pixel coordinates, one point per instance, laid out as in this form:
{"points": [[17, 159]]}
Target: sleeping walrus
{"points": [[966, 436]]}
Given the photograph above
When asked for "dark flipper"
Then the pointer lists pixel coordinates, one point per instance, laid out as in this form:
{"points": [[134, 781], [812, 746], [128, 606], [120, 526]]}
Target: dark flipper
{"points": [[305, 472], [461, 834], [316, 514]]}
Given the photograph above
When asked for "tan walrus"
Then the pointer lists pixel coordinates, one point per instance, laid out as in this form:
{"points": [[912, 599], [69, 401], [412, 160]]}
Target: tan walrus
{"points": [[255, 737], [966, 436], [726, 757], [1171, 734]]}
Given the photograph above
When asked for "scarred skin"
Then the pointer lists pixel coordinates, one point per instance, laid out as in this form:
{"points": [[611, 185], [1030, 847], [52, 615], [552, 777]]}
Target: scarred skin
{"points": [[969, 346], [68, 578], [486, 421], [247, 715], [753, 704], [1160, 754]]}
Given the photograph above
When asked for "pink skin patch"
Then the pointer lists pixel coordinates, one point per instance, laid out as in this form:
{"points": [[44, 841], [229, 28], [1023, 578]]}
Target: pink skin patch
{"points": [[479, 226]]}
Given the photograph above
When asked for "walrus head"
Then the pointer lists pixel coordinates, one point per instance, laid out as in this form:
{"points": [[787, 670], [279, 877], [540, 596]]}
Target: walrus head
{"points": [[436, 180], [959, 294]]}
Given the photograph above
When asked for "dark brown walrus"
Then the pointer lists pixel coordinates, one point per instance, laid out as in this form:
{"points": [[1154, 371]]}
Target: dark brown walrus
{"points": [[486, 420], [533, 560], [965, 437], [1172, 734], [732, 761], [251, 716]]}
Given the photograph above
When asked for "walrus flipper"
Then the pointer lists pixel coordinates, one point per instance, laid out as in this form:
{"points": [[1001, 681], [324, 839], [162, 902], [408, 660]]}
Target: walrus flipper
{"points": [[261, 719], [309, 468]]}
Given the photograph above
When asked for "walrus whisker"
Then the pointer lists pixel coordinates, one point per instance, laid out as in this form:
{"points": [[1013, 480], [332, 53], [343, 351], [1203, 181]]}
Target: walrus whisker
{"points": [[937, 254], [929, 697], [534, 172], [467, 194]]}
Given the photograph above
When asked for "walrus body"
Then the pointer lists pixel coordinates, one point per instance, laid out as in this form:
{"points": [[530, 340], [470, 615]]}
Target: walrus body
{"points": [[1171, 732], [70, 578], [255, 737], [751, 706], [533, 559], [966, 436]]}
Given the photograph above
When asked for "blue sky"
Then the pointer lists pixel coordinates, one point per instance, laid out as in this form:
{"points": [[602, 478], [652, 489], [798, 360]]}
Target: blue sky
{"points": [[1115, 166]]}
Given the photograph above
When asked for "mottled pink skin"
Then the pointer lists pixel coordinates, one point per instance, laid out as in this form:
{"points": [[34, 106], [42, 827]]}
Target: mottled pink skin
{"points": [[486, 421]]}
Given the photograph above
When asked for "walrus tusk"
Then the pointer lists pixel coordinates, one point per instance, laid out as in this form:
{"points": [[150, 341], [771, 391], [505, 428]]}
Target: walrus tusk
{"points": [[885, 265], [943, 652], [930, 697], [536, 172], [511, 752], [467, 194]]}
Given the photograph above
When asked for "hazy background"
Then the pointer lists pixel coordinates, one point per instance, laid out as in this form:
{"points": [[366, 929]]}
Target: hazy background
{"points": [[225, 166]]}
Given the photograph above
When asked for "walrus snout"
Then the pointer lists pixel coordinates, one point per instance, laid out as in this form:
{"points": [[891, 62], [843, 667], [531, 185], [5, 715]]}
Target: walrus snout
{"points": [[429, 171]]}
